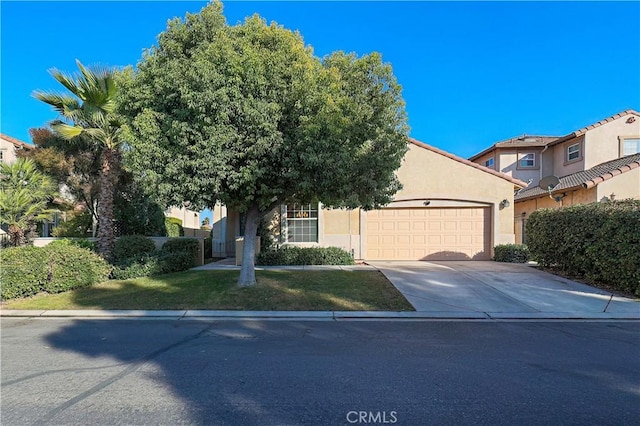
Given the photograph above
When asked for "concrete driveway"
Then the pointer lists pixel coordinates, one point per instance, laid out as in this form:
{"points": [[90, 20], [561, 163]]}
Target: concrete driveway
{"points": [[501, 290]]}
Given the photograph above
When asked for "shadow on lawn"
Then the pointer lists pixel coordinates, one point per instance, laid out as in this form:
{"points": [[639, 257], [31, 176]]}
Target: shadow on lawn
{"points": [[276, 290]]}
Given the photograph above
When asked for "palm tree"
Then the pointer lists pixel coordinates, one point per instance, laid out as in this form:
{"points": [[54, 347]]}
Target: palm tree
{"points": [[25, 193], [89, 113]]}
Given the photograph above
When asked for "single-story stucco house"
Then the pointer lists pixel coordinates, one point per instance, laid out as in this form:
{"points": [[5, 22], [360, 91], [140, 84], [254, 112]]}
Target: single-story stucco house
{"points": [[449, 209]]}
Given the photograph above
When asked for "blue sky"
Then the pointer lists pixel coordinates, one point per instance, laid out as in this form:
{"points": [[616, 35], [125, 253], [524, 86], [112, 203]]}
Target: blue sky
{"points": [[472, 73]]}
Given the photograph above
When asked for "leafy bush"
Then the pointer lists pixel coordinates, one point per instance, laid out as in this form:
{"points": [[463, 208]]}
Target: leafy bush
{"points": [[598, 241], [23, 271], [76, 242], [148, 265], [291, 255], [182, 245], [54, 268], [78, 224], [132, 246], [173, 227], [513, 253]]}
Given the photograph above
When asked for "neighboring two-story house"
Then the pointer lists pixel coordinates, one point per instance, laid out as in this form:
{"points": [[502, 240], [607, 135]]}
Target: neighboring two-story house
{"points": [[599, 162]]}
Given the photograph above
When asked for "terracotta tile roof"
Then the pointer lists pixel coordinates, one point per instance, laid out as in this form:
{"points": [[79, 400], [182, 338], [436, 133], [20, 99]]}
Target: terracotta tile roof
{"points": [[584, 130], [16, 142], [518, 142], [516, 182], [586, 178]]}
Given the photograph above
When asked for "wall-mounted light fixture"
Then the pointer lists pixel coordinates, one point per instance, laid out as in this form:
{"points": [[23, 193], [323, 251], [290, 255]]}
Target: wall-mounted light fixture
{"points": [[504, 204], [426, 203]]}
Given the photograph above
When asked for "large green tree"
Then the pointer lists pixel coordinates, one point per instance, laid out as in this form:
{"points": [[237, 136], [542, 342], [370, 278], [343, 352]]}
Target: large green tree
{"points": [[25, 193], [248, 116], [87, 114]]}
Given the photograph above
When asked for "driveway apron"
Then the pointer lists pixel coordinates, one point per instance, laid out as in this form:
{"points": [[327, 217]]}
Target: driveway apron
{"points": [[499, 289]]}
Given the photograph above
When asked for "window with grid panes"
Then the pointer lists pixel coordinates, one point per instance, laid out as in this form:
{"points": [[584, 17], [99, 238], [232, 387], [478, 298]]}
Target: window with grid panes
{"points": [[302, 223]]}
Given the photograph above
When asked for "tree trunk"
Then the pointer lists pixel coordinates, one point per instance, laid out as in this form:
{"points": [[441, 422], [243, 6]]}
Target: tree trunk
{"points": [[248, 268], [16, 236], [108, 174]]}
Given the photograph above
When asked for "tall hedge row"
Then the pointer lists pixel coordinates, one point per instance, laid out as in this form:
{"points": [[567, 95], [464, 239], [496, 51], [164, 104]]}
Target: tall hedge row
{"points": [[55, 268], [599, 241]]}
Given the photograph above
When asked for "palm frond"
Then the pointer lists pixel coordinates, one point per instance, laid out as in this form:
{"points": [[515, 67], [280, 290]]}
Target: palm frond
{"points": [[67, 131], [60, 102], [68, 81]]}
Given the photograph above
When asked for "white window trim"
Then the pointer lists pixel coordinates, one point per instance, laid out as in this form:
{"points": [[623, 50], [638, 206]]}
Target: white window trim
{"points": [[521, 156], [577, 151], [622, 141], [285, 227]]}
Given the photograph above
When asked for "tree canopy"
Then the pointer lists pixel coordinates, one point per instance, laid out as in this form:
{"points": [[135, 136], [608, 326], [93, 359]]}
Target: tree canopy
{"points": [[248, 116]]}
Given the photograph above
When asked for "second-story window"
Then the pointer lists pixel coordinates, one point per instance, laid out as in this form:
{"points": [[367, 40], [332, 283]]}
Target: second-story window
{"points": [[527, 161], [573, 152], [489, 163], [630, 146]]}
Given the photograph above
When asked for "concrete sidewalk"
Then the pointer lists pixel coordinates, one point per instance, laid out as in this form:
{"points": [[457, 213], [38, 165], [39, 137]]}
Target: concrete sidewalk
{"points": [[469, 290]]}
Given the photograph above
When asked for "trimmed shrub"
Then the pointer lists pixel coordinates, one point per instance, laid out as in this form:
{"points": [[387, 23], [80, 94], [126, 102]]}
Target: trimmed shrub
{"points": [[182, 245], [291, 255], [55, 268], [598, 241], [23, 272], [76, 242], [132, 246], [512, 253], [173, 226], [158, 264]]}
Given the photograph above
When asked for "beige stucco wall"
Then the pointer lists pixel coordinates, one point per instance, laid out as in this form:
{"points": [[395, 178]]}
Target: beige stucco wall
{"points": [[560, 166], [508, 164], [430, 176], [190, 218], [484, 158], [8, 151], [626, 185], [603, 144]]}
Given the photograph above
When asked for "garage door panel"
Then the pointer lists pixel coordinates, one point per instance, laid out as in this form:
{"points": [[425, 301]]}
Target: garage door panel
{"points": [[428, 234]]}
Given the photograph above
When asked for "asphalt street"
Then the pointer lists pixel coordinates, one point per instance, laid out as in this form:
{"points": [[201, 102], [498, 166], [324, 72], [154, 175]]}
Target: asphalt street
{"points": [[167, 372]]}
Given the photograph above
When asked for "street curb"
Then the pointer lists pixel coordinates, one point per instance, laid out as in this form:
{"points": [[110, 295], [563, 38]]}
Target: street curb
{"points": [[313, 315]]}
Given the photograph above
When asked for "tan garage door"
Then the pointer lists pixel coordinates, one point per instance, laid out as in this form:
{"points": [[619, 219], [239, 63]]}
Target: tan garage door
{"points": [[428, 234]]}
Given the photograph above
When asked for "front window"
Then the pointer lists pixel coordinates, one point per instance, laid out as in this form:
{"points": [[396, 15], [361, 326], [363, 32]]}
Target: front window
{"points": [[630, 146], [573, 152], [489, 163], [527, 160], [301, 223]]}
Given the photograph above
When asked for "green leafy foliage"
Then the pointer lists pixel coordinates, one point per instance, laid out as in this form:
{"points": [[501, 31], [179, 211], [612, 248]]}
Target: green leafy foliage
{"points": [[132, 246], [25, 193], [277, 123], [154, 264], [76, 242], [291, 255], [513, 253], [53, 269], [208, 248], [190, 246], [598, 241], [173, 227]]}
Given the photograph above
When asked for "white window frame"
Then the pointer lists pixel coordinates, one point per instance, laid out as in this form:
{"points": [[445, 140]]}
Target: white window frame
{"points": [[305, 214], [625, 139], [490, 163], [574, 152], [522, 157]]}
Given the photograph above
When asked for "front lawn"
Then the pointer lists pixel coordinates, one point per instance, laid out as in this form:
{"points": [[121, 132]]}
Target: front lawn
{"points": [[276, 290]]}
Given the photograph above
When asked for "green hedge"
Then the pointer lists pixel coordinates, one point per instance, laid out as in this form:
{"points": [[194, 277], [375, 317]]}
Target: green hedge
{"points": [[173, 227], [77, 242], [132, 246], [289, 255], [512, 253], [598, 241], [158, 264], [55, 268]]}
